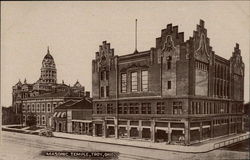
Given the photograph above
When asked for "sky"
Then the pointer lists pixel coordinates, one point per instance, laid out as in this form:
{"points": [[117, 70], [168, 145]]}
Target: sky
{"points": [[74, 30]]}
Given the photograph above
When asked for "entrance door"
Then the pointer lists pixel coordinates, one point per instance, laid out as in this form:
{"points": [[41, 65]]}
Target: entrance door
{"points": [[60, 127], [98, 129]]}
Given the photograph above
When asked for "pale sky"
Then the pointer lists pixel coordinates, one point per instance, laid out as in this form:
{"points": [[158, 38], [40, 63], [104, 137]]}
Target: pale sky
{"points": [[74, 31]]}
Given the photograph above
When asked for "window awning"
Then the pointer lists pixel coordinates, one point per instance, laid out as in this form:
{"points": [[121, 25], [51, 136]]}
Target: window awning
{"points": [[63, 115], [59, 114], [54, 115]]}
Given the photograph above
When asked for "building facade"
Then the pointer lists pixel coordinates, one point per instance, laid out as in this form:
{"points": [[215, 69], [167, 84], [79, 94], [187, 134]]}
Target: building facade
{"points": [[176, 92], [74, 116], [42, 97]]}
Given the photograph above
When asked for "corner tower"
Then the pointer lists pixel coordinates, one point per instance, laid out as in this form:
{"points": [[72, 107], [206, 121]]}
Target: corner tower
{"points": [[48, 70]]}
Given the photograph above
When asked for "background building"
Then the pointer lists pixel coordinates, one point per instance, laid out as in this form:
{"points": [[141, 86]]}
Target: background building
{"points": [[43, 96], [177, 92]]}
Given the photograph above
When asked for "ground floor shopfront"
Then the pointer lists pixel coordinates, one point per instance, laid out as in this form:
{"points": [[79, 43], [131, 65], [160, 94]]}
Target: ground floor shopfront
{"points": [[183, 131], [74, 126]]}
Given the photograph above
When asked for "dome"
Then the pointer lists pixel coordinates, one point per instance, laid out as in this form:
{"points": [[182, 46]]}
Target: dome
{"points": [[48, 55]]}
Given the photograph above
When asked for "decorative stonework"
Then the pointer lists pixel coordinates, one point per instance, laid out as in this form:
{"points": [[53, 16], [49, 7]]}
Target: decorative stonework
{"points": [[201, 51], [169, 49], [105, 57]]}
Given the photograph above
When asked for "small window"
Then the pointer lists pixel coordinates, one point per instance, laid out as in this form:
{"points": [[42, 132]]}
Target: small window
{"points": [[107, 75], [48, 107], [169, 60], [102, 75], [177, 107], [134, 82], [107, 91], [169, 84], [43, 107], [38, 120], [144, 80], [124, 83], [38, 107], [43, 120], [102, 91]]}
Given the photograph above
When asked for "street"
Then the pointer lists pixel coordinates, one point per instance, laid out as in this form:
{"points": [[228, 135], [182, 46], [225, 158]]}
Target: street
{"points": [[17, 146]]}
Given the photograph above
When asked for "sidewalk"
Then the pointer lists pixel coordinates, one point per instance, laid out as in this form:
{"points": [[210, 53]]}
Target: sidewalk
{"points": [[198, 148]]}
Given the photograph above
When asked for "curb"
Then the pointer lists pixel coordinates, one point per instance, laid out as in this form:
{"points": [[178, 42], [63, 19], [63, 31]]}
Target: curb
{"points": [[135, 146]]}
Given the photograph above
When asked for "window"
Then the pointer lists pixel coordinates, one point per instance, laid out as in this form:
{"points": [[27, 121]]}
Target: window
{"points": [[169, 59], [134, 108], [125, 109], [43, 120], [177, 107], [102, 91], [160, 108], [102, 75], [107, 75], [146, 108], [33, 107], [119, 109], [54, 106], [124, 83], [28, 107], [110, 109], [169, 84], [144, 77], [38, 120], [43, 107], [48, 107], [107, 91], [24, 118], [99, 108], [134, 83], [38, 107]]}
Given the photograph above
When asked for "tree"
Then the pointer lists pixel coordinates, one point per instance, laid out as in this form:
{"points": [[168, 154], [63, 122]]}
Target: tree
{"points": [[31, 120]]}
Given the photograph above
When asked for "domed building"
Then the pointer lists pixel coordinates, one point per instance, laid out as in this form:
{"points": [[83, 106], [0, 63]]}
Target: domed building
{"points": [[43, 96]]}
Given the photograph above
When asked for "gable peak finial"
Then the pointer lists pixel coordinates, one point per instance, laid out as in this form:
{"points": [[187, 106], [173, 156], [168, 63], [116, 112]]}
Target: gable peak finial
{"points": [[48, 50]]}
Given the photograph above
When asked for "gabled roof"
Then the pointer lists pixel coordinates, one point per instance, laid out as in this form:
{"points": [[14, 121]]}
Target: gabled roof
{"points": [[78, 104]]}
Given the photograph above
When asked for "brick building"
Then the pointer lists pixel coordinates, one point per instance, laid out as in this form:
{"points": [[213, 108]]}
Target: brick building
{"points": [[176, 92], [74, 116], [43, 96]]}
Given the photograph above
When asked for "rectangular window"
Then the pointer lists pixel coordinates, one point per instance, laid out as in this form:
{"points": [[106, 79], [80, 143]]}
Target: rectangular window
{"points": [[43, 107], [33, 107], [177, 107], [28, 107], [24, 118], [146, 108], [160, 108], [102, 75], [124, 83], [43, 120], [107, 91], [134, 108], [134, 82], [169, 84], [54, 106], [144, 77], [110, 109], [125, 109], [102, 91], [38, 107], [48, 107], [119, 109], [99, 109], [38, 120], [107, 75]]}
